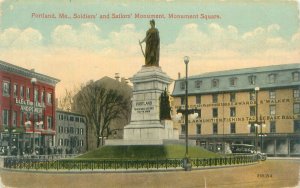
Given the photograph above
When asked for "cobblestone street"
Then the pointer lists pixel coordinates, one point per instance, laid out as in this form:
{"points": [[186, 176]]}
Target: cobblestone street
{"points": [[272, 173]]}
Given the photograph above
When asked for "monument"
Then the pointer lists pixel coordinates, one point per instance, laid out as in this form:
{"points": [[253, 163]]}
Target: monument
{"points": [[150, 115]]}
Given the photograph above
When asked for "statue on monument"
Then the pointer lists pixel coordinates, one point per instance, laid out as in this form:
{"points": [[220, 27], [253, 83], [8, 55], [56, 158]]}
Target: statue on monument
{"points": [[152, 41]]}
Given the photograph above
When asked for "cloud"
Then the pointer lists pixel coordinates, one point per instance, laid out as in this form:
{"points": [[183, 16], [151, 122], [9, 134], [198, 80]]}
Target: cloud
{"points": [[17, 38], [87, 36]]}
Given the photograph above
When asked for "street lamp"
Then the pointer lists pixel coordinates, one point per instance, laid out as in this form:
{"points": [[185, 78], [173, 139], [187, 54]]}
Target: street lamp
{"points": [[187, 165], [33, 82], [256, 115]]}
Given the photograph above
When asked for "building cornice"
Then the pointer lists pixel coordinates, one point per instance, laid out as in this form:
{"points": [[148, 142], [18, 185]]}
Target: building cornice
{"points": [[7, 67]]}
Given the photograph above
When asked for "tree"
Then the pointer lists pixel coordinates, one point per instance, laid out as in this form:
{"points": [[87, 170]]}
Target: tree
{"points": [[102, 102], [65, 102]]}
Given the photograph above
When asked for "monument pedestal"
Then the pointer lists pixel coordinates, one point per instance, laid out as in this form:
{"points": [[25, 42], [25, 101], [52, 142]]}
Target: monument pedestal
{"points": [[145, 127]]}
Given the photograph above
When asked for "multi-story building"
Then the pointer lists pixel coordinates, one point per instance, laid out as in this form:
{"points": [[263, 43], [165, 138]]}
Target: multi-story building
{"points": [[71, 133], [27, 99], [258, 106]]}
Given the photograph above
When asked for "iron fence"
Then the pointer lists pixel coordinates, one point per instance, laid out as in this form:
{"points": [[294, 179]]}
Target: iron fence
{"points": [[121, 164]]}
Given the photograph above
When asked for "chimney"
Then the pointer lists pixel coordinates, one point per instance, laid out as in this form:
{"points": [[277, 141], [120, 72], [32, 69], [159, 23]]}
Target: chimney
{"points": [[117, 76], [179, 75]]}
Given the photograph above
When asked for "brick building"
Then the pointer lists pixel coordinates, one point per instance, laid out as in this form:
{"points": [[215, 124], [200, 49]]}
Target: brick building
{"points": [[19, 98]]}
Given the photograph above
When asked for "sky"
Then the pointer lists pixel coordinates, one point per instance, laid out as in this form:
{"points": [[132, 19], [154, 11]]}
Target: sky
{"points": [[238, 34]]}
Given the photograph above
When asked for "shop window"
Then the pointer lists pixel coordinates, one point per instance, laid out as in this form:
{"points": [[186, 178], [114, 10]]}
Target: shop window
{"points": [[36, 95], [272, 127], [232, 128], [6, 88]]}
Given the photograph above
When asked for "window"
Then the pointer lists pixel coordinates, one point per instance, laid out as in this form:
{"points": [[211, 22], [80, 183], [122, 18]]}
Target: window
{"points": [[182, 85], [72, 130], [272, 110], [71, 118], [252, 96], [296, 76], [49, 98], [5, 117], [81, 120], [252, 79], [297, 108], [81, 142], [77, 131], [252, 128], [182, 100], [215, 83], [296, 93], [22, 92], [42, 97], [252, 110], [5, 88], [232, 97], [272, 78], [198, 129], [198, 84], [49, 122], [36, 95], [60, 142], [215, 128], [77, 119], [66, 142], [28, 93], [233, 81], [215, 112], [21, 118], [232, 112], [272, 95], [215, 98], [15, 90], [272, 127], [297, 126], [183, 129], [198, 99], [81, 131], [232, 128], [14, 119]]}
